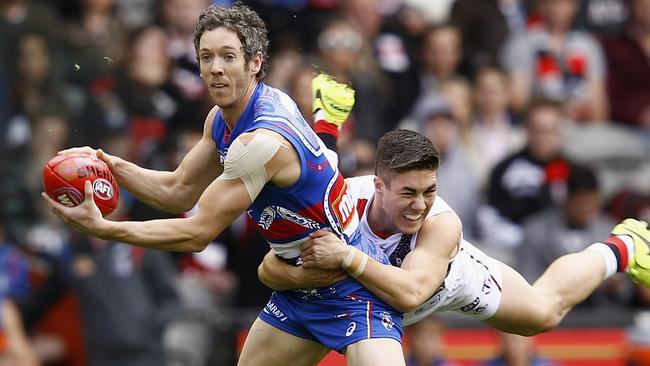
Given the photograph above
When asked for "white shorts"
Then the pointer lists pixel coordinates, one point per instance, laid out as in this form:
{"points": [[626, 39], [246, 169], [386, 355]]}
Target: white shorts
{"points": [[472, 287]]}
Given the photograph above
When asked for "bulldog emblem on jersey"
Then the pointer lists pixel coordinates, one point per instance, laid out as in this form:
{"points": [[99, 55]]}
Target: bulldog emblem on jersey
{"points": [[386, 320], [266, 218]]}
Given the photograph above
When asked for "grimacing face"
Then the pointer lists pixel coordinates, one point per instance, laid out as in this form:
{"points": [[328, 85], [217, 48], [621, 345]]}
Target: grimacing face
{"points": [[407, 199], [223, 67]]}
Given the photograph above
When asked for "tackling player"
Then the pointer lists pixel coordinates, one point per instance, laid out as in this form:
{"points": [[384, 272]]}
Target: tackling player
{"points": [[435, 269], [259, 156]]}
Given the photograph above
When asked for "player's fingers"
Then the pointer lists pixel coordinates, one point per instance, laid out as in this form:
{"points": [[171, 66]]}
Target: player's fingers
{"points": [[88, 190], [107, 158], [318, 233], [306, 251], [307, 244], [308, 261]]}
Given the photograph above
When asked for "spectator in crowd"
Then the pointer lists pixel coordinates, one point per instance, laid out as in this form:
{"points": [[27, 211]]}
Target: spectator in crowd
{"points": [[425, 343], [345, 56], [494, 134], [484, 26], [456, 180], [527, 181], [365, 15], [300, 90], [15, 346], [551, 60], [126, 296], [602, 17], [567, 228], [178, 19], [516, 350], [458, 93], [284, 65], [95, 39], [440, 54], [396, 49], [152, 105], [36, 89], [628, 81]]}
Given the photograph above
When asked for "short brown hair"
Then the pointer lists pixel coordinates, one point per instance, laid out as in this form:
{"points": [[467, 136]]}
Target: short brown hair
{"points": [[242, 20], [538, 103], [401, 151]]}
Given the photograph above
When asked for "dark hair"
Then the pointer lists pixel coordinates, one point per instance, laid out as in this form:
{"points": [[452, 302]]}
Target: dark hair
{"points": [[581, 179], [240, 19], [541, 103], [401, 151]]}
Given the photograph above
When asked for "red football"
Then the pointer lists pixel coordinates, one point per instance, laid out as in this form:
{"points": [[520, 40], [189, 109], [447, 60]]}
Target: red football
{"points": [[64, 177]]}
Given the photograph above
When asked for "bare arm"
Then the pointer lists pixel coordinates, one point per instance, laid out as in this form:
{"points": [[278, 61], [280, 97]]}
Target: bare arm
{"points": [[176, 191], [279, 275], [220, 204], [406, 287], [19, 348]]}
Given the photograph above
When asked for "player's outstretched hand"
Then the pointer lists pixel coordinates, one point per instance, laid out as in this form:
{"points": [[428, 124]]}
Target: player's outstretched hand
{"points": [[110, 160], [85, 217], [323, 250]]}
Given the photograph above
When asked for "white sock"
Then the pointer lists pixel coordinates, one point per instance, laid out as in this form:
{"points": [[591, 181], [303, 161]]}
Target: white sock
{"points": [[608, 256]]}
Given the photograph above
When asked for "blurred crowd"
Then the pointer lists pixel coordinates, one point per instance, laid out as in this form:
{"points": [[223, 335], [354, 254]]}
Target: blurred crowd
{"points": [[540, 110]]}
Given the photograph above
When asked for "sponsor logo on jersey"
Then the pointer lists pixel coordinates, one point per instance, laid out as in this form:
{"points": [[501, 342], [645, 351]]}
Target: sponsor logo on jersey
{"points": [[351, 328], [103, 189], [471, 306], [343, 207], [480, 309], [272, 309], [386, 320]]}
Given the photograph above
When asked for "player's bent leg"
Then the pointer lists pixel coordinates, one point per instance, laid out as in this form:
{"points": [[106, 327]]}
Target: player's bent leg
{"points": [[523, 309], [572, 278], [375, 352], [267, 345]]}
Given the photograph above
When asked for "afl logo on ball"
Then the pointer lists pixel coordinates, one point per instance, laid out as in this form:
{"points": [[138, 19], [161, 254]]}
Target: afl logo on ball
{"points": [[103, 189]]}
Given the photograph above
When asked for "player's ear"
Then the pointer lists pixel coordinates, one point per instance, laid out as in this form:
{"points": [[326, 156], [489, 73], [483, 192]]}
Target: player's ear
{"points": [[256, 63], [379, 184]]}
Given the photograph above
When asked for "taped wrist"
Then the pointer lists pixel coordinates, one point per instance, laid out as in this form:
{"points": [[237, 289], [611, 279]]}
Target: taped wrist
{"points": [[355, 262]]}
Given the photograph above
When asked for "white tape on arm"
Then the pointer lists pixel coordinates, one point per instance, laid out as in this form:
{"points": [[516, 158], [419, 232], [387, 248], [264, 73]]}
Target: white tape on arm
{"points": [[246, 161]]}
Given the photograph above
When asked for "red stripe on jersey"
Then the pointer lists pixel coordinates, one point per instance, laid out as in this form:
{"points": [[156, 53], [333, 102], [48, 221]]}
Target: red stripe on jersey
{"points": [[361, 206], [315, 213], [226, 135], [369, 318], [380, 234]]}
